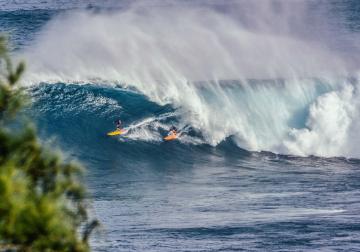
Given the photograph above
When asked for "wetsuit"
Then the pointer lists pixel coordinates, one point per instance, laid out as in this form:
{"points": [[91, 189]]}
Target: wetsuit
{"points": [[118, 124]]}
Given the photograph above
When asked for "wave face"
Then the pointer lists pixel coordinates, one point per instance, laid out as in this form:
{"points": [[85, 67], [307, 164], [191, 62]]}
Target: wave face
{"points": [[269, 81]]}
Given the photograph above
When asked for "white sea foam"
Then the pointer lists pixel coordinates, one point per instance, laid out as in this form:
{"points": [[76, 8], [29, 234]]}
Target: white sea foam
{"points": [[327, 128]]}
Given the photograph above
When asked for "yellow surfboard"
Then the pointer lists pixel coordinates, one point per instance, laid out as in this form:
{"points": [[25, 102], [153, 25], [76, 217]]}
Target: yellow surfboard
{"points": [[116, 132]]}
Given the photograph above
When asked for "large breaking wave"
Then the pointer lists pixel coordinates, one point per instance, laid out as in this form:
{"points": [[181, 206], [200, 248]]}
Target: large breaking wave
{"points": [[255, 72]]}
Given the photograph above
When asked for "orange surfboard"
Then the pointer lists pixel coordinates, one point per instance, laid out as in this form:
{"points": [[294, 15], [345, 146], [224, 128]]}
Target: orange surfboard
{"points": [[170, 137]]}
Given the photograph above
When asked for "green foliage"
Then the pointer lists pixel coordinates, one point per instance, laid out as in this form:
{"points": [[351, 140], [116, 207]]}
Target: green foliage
{"points": [[42, 204]]}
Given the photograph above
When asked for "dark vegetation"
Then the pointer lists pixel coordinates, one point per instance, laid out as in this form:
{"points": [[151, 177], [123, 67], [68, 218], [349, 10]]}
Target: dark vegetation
{"points": [[42, 202]]}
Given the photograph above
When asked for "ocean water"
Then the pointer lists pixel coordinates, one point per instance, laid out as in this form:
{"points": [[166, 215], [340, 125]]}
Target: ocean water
{"points": [[266, 97]]}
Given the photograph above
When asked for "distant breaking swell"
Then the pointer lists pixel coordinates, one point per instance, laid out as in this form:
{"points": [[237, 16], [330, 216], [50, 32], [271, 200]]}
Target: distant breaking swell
{"points": [[307, 117]]}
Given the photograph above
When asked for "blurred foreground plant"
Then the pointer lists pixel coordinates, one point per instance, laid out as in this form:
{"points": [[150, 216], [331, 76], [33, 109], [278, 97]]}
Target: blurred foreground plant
{"points": [[42, 205]]}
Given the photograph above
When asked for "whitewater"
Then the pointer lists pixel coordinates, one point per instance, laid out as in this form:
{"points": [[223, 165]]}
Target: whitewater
{"points": [[265, 95]]}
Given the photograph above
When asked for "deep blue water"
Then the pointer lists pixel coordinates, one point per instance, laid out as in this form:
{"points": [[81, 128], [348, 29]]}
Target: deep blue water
{"points": [[189, 195]]}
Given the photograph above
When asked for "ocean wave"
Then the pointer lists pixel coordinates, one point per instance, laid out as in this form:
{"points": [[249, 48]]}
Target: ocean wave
{"points": [[321, 119], [265, 85]]}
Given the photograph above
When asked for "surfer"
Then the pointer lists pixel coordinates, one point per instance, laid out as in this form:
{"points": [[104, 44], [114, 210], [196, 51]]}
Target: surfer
{"points": [[172, 135], [118, 124], [119, 130], [173, 131]]}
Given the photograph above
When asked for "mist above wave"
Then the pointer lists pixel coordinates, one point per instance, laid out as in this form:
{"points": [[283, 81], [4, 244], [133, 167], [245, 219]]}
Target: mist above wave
{"points": [[182, 42]]}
